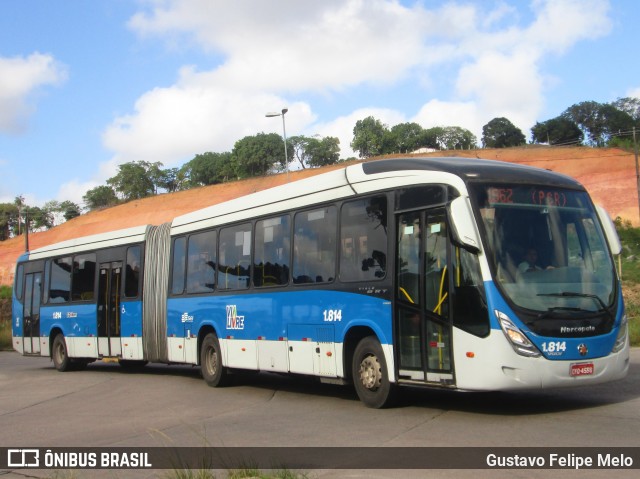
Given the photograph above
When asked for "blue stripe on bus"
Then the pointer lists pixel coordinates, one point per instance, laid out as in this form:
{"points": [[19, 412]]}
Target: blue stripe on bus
{"points": [[269, 315]]}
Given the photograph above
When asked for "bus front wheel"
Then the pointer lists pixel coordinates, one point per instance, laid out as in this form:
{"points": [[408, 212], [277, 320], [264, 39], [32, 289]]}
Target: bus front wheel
{"points": [[370, 374], [213, 372], [59, 354]]}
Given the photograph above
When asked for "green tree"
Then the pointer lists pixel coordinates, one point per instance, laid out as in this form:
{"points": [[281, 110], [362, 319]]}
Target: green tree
{"points": [[8, 220], [501, 133], [557, 131], [70, 210], [135, 180], [323, 152], [368, 137], [456, 138], [259, 154], [100, 197], [629, 105], [600, 121], [209, 169], [406, 137], [314, 152], [40, 218]]}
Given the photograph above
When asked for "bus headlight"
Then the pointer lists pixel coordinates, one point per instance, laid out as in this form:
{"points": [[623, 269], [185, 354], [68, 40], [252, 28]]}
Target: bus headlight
{"points": [[519, 342], [623, 333]]}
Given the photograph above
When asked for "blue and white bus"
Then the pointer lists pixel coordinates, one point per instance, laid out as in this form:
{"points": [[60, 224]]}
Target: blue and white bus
{"points": [[438, 272]]}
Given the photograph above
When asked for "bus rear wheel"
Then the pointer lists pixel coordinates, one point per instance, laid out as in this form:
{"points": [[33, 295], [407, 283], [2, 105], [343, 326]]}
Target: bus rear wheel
{"points": [[370, 374], [59, 354], [213, 372]]}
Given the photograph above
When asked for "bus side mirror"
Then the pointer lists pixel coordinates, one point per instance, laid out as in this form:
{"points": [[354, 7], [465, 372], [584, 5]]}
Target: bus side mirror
{"points": [[609, 230], [463, 224]]}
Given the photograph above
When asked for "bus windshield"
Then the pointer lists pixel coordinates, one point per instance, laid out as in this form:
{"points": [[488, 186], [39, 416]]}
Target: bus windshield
{"points": [[547, 247]]}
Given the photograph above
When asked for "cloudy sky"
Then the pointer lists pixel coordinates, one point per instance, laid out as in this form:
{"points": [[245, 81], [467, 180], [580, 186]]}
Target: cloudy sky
{"points": [[87, 85]]}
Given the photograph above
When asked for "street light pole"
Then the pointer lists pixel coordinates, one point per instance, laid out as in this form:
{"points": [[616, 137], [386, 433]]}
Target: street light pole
{"points": [[284, 134]]}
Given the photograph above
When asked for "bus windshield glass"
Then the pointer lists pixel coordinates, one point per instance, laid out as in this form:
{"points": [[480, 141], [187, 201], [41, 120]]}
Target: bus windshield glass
{"points": [[547, 247]]}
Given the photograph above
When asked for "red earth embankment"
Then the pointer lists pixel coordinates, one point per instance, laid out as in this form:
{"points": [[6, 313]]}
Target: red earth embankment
{"points": [[608, 173]]}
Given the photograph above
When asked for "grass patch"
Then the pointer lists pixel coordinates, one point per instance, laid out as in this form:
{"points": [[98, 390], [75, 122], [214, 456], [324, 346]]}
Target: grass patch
{"points": [[5, 292], [5, 335], [234, 474]]}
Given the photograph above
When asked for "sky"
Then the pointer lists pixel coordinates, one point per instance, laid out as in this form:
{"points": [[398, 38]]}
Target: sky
{"points": [[88, 85]]}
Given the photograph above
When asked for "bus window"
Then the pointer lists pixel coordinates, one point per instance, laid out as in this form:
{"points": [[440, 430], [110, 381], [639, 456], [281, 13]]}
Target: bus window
{"points": [[45, 292], [363, 239], [314, 253], [437, 286], [271, 255], [201, 267], [19, 281], [60, 288], [132, 273], [235, 257], [469, 304], [178, 270], [83, 277]]}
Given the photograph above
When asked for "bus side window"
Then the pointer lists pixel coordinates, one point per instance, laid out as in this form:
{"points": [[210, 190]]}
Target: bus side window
{"points": [[83, 277], [470, 311], [132, 278], [271, 255], [60, 288], [178, 269], [19, 282], [234, 262], [201, 265], [314, 246], [363, 239]]}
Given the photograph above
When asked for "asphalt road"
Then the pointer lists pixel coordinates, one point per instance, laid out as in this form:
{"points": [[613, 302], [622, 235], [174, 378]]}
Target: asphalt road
{"points": [[106, 406]]}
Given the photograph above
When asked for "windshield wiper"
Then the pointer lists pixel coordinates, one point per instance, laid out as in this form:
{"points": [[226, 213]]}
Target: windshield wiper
{"points": [[571, 294], [555, 309]]}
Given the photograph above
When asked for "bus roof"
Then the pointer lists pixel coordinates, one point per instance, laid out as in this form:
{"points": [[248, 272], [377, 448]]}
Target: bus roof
{"points": [[475, 169], [363, 178], [85, 243]]}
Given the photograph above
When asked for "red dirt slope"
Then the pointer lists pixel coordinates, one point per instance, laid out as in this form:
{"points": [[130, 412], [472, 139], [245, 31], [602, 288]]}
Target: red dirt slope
{"points": [[608, 174]]}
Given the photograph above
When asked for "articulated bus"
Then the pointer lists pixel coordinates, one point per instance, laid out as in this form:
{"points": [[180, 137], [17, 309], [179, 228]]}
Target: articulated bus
{"points": [[438, 272]]}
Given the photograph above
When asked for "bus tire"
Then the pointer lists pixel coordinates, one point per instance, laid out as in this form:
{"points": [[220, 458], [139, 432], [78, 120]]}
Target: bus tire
{"points": [[59, 354], [213, 372], [370, 374]]}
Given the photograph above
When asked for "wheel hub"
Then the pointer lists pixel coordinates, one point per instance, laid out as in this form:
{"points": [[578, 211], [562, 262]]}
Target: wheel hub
{"points": [[370, 372]]}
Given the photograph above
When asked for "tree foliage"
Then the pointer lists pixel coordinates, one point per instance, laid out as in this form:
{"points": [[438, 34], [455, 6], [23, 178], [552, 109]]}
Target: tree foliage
{"points": [[557, 131], [314, 152], [451, 138], [405, 138], [501, 133], [208, 169], [630, 106], [136, 179], [258, 154], [600, 122], [100, 197], [368, 137]]}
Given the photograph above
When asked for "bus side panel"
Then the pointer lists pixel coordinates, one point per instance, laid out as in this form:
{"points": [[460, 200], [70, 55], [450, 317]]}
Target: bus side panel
{"points": [[17, 331], [298, 331], [78, 325], [131, 330]]}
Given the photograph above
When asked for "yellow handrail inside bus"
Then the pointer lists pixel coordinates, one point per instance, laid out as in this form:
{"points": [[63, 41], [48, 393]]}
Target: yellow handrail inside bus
{"points": [[406, 295]]}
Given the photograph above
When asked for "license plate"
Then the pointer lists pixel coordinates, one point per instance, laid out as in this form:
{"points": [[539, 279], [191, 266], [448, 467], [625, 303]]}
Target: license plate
{"points": [[582, 369]]}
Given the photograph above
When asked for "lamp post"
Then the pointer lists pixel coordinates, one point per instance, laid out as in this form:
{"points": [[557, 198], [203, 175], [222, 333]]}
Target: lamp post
{"points": [[284, 134]]}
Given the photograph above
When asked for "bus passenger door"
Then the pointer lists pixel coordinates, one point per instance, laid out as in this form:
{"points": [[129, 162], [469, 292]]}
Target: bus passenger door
{"points": [[423, 325], [31, 313], [109, 299]]}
